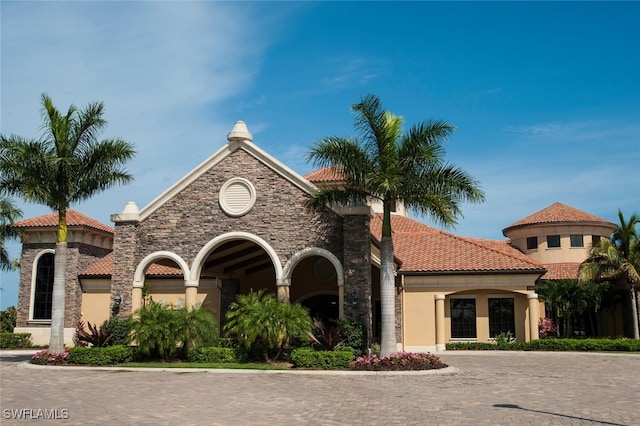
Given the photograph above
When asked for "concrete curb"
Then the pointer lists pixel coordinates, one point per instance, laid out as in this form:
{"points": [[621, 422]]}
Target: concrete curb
{"points": [[446, 370]]}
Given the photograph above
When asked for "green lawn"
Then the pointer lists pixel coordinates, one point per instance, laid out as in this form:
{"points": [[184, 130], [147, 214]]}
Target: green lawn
{"points": [[229, 365]]}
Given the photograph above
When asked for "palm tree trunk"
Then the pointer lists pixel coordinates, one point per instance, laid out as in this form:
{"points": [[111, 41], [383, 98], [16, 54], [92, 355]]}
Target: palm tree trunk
{"points": [[56, 342], [387, 289], [635, 310]]}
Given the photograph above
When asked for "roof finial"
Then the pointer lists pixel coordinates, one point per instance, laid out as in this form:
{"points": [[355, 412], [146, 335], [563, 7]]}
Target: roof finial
{"points": [[239, 133]]}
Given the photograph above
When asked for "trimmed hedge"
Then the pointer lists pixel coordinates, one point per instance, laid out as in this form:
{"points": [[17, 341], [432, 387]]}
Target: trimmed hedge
{"points": [[108, 355], [326, 360], [15, 340], [213, 354], [569, 345]]}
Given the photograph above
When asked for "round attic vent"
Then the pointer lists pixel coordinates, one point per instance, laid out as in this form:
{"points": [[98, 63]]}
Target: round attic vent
{"points": [[237, 197]]}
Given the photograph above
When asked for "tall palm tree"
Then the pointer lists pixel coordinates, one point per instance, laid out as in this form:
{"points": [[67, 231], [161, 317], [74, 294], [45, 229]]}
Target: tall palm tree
{"points": [[618, 260], [66, 165], [9, 213], [391, 166]]}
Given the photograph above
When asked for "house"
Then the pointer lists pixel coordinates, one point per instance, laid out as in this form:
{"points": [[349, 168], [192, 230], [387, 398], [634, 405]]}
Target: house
{"points": [[238, 222]]}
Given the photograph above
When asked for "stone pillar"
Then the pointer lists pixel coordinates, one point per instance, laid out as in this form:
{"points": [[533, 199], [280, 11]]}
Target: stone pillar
{"points": [[534, 316], [190, 293], [440, 329], [357, 266], [125, 242], [341, 301]]}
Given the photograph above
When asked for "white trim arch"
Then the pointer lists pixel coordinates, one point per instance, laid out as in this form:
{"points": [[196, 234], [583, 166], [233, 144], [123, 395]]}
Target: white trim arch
{"points": [[308, 252], [34, 276], [317, 251], [141, 269], [205, 251]]}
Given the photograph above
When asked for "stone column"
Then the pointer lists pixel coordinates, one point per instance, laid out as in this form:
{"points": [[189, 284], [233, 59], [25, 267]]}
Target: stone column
{"points": [[357, 266], [190, 293], [440, 329], [534, 316], [125, 242]]}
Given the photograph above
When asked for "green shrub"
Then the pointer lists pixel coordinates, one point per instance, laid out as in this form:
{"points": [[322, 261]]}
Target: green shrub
{"points": [[262, 324], [552, 344], [353, 334], [326, 360], [120, 330], [164, 332], [213, 354], [8, 319], [108, 355], [15, 340]]}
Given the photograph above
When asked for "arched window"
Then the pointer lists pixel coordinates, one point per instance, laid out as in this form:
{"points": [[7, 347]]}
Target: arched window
{"points": [[43, 293]]}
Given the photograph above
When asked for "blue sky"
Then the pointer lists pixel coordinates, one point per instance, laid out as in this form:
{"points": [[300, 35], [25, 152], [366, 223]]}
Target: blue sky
{"points": [[545, 95]]}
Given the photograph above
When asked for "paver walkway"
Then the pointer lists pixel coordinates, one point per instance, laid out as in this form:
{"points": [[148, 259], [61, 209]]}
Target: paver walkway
{"points": [[496, 388]]}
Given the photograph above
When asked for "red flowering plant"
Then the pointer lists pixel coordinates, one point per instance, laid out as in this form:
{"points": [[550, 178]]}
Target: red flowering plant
{"points": [[401, 361], [50, 358], [546, 327]]}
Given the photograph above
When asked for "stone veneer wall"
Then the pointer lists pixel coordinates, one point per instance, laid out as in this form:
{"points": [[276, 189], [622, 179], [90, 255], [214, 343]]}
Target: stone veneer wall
{"points": [[124, 265], [80, 256], [184, 224], [357, 271]]}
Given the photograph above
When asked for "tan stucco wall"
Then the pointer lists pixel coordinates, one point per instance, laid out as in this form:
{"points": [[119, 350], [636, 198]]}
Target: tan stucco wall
{"points": [[565, 253], [419, 294], [95, 306]]}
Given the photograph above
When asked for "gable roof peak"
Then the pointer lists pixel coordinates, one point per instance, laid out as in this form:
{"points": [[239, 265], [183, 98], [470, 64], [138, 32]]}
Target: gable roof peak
{"points": [[240, 132]]}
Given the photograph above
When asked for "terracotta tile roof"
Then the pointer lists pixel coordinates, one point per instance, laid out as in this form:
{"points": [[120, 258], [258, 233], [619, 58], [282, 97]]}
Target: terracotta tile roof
{"points": [[325, 174], [104, 267], [558, 213], [422, 248], [74, 218], [561, 271]]}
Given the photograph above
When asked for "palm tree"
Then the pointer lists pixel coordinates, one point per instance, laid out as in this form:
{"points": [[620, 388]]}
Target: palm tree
{"points": [[66, 165], [618, 260], [392, 167], [9, 213]]}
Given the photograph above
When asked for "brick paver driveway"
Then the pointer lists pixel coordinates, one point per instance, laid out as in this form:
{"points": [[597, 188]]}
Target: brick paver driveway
{"points": [[486, 388]]}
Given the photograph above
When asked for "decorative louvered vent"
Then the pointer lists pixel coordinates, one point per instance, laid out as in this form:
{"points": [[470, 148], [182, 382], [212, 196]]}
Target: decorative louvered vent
{"points": [[237, 197]]}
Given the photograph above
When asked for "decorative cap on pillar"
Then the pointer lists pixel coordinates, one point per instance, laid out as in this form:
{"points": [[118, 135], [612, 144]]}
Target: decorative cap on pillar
{"points": [[129, 214], [239, 133]]}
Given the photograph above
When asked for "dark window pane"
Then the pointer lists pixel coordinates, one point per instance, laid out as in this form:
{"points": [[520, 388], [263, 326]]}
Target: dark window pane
{"points": [[463, 318], [501, 316], [577, 240], [553, 241], [44, 288], [532, 243]]}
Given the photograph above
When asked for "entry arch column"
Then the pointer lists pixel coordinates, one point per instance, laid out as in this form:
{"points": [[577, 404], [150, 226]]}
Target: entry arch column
{"points": [[440, 329], [534, 316]]}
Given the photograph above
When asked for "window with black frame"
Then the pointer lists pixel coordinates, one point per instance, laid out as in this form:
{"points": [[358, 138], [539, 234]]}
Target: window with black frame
{"points": [[43, 293], [463, 319], [501, 316]]}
